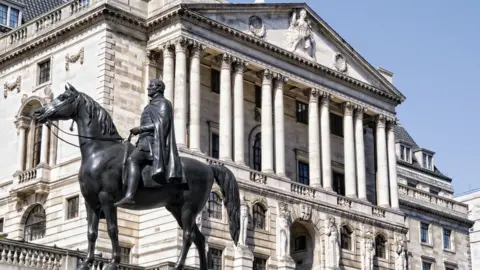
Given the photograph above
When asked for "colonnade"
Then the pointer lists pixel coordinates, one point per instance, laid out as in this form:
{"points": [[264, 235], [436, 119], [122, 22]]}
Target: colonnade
{"points": [[231, 125]]}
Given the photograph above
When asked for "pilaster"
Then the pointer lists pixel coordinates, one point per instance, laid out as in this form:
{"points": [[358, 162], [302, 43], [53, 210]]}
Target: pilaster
{"points": [[180, 96]]}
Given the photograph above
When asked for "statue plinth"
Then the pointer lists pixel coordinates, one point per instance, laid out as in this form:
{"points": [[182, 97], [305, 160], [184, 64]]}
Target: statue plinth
{"points": [[243, 258]]}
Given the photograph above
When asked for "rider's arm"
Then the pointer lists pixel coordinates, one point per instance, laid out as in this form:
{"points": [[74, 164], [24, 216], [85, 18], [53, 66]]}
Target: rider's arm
{"points": [[147, 128]]}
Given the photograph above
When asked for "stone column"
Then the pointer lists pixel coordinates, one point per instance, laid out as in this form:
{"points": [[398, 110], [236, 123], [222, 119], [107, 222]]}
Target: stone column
{"points": [[225, 122], [349, 151], [392, 164], [382, 170], [180, 96], [44, 146], [267, 125], [194, 125], [280, 80], [150, 72], [22, 125], [238, 112], [325, 135], [314, 139], [360, 153], [168, 70]]}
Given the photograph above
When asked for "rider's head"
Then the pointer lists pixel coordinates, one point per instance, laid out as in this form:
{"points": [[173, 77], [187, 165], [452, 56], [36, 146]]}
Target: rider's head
{"points": [[156, 86]]}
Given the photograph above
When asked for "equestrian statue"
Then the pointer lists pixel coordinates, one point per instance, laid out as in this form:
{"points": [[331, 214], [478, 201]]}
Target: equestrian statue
{"points": [[114, 173]]}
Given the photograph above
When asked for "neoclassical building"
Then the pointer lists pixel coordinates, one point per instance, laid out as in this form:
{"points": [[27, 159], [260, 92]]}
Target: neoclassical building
{"points": [[328, 178], [472, 199]]}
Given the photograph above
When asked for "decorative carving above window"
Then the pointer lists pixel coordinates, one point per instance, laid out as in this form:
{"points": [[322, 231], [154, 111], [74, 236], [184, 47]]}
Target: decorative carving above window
{"points": [[73, 59], [256, 27], [12, 85], [340, 62]]}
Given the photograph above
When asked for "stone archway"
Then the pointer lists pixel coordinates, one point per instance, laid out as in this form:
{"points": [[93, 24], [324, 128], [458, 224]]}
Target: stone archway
{"points": [[302, 245]]}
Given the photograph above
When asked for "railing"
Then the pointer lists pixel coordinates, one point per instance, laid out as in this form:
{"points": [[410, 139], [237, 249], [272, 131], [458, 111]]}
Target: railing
{"points": [[27, 175], [423, 196], [21, 254], [42, 24]]}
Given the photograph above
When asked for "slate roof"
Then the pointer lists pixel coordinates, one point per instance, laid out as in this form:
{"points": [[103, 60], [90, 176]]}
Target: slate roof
{"points": [[35, 8], [402, 136]]}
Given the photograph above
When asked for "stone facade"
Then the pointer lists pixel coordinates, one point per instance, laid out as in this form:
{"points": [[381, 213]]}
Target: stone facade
{"points": [[472, 199], [304, 122]]}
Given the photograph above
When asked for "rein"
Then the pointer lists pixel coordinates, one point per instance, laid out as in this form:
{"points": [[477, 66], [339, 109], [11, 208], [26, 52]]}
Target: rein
{"points": [[50, 123]]}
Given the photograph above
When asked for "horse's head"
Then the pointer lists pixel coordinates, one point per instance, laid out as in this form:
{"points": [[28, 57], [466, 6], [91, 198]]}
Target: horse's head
{"points": [[61, 108]]}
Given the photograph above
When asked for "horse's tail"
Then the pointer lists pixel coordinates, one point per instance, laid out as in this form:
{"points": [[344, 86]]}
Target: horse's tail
{"points": [[231, 197]]}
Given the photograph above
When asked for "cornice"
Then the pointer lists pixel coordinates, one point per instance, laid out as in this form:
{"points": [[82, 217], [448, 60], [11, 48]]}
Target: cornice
{"points": [[420, 207]]}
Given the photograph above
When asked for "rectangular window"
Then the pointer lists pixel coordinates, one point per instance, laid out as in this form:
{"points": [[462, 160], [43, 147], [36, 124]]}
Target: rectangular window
{"points": [[259, 264], [215, 145], [427, 161], [405, 153], [215, 81], [14, 14], [44, 72], [3, 14], [303, 173], [1, 224], [37, 145], [72, 207], [447, 241], [336, 124], [214, 259], [125, 255], [302, 112], [258, 96], [424, 232], [426, 266], [338, 183]]}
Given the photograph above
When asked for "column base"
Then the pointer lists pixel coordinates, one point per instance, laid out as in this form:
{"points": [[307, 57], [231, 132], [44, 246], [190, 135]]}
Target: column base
{"points": [[182, 146], [226, 159], [243, 258], [365, 200], [352, 196], [270, 171], [197, 151], [384, 205], [241, 163]]}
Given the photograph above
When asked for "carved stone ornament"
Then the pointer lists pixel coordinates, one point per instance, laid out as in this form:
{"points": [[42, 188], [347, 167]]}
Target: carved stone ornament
{"points": [[74, 58], [300, 33], [306, 212], [12, 85], [256, 27], [340, 63]]}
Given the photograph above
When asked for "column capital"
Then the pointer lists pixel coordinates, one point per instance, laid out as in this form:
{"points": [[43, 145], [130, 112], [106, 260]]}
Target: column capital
{"points": [[359, 111], [380, 120], [266, 75], [391, 123], [225, 60], [239, 65], [280, 80], [325, 98], [313, 94], [23, 122], [348, 108], [152, 57], [181, 44], [168, 49], [196, 48]]}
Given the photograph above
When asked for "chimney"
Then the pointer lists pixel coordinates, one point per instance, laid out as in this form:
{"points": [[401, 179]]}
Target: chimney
{"points": [[386, 74]]}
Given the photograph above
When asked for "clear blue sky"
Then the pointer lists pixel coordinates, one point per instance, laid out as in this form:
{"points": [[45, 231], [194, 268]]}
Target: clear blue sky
{"points": [[433, 48]]}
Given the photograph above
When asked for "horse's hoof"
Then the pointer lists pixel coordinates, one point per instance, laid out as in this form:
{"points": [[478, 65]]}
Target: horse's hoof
{"points": [[83, 266], [110, 266]]}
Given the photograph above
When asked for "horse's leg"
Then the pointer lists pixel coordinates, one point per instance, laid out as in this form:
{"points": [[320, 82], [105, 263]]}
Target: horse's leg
{"points": [[188, 220], [92, 234], [199, 240], [110, 212]]}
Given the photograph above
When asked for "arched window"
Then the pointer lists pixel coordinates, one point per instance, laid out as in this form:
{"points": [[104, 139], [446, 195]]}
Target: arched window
{"points": [[259, 214], [215, 206], [35, 224], [257, 152], [346, 237], [380, 246]]}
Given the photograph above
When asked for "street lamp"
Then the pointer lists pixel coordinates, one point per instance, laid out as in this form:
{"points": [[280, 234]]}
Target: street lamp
{"points": [[3, 235]]}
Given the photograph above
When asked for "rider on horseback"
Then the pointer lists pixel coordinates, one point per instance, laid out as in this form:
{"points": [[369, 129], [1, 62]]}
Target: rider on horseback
{"points": [[156, 142]]}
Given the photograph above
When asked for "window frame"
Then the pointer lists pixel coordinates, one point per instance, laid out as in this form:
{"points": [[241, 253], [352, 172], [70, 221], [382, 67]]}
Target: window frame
{"points": [[336, 124], [10, 9], [384, 244], [428, 233], [213, 128], [405, 153], [255, 214], [39, 70], [262, 259], [210, 258], [451, 238], [42, 231], [123, 255], [427, 161], [215, 85], [215, 200], [350, 233], [301, 112], [340, 186], [67, 207], [257, 152]]}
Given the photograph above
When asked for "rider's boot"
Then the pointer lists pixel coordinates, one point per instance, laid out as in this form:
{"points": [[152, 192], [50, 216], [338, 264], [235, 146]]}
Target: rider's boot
{"points": [[132, 187]]}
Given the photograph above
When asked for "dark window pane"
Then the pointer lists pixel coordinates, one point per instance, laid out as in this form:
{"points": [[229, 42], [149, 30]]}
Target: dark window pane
{"points": [[258, 96], [338, 183], [380, 247], [1, 224], [446, 239], [346, 238], [259, 214], [336, 124], [14, 14], [424, 232], [259, 264], [300, 243], [214, 259], [125, 255], [215, 145], [215, 206], [35, 224], [72, 206], [303, 173], [257, 152], [44, 72], [302, 112], [3, 14], [37, 145], [215, 81]]}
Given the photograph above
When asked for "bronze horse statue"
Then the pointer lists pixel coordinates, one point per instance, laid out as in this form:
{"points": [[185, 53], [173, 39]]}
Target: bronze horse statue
{"points": [[100, 178]]}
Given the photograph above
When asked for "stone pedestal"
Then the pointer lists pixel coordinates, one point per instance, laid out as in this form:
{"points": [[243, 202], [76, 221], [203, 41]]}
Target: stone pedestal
{"points": [[243, 258], [286, 263]]}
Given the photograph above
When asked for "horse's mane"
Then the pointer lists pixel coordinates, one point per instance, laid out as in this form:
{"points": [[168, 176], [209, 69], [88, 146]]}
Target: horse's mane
{"points": [[102, 116]]}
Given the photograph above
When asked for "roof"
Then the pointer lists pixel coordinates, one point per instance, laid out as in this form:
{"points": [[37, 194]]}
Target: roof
{"points": [[35, 8], [404, 137]]}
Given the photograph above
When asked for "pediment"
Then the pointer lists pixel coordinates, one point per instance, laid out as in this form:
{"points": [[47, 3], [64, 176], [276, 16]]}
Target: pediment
{"points": [[296, 28]]}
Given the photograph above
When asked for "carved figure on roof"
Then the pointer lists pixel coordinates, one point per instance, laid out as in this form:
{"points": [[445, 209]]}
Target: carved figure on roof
{"points": [[300, 33], [256, 27]]}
